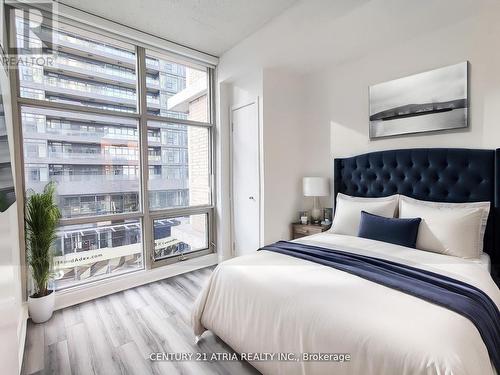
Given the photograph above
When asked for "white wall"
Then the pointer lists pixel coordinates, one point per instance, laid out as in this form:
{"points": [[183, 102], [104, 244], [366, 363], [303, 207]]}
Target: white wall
{"points": [[338, 96], [282, 151], [287, 148], [13, 311], [315, 63], [231, 92], [291, 148], [222, 170]]}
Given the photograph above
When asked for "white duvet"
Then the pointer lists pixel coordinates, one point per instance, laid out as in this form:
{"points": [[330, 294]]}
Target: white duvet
{"points": [[272, 303]]}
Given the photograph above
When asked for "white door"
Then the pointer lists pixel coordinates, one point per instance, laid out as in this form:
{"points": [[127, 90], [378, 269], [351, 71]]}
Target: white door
{"points": [[245, 179]]}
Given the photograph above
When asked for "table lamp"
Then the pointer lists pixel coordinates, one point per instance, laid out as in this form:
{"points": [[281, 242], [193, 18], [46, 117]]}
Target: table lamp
{"points": [[315, 187]]}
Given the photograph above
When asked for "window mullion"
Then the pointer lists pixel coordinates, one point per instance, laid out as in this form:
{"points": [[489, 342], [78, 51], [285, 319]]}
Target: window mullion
{"points": [[92, 219], [179, 211], [174, 120], [143, 142], [38, 103], [212, 163]]}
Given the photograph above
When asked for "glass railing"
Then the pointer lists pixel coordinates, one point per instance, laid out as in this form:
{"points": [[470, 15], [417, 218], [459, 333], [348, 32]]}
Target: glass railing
{"points": [[154, 157], [113, 91], [153, 100], [94, 177], [32, 93], [152, 81], [88, 134], [88, 66], [152, 62], [177, 115], [154, 139], [95, 156], [63, 37], [75, 155], [91, 104]]}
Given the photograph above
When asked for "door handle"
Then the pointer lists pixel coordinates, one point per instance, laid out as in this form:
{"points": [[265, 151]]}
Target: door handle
{"points": [[251, 198]]}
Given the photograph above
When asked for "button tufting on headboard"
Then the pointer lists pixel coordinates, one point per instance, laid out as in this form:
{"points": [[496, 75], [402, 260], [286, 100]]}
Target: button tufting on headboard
{"points": [[432, 174], [444, 175]]}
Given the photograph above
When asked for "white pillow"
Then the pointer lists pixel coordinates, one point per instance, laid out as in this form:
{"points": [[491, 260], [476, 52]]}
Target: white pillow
{"points": [[448, 228], [348, 211]]}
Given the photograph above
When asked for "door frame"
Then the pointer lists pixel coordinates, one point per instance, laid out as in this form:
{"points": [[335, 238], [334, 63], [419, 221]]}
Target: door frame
{"points": [[233, 108]]}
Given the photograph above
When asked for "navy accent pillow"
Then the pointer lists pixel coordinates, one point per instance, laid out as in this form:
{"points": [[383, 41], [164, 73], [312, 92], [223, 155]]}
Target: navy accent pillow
{"points": [[397, 231]]}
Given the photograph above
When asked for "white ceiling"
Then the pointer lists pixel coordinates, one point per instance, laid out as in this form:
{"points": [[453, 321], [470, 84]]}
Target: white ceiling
{"points": [[313, 34], [211, 26]]}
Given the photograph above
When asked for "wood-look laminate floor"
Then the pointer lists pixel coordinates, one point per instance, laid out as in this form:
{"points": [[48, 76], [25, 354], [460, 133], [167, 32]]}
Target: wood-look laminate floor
{"points": [[116, 334]]}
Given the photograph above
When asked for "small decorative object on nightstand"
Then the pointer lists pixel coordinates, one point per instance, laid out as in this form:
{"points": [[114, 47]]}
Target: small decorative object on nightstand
{"points": [[301, 230], [327, 216], [304, 217]]}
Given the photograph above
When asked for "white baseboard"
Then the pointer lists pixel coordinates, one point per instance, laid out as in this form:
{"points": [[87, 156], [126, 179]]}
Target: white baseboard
{"points": [[102, 288]]}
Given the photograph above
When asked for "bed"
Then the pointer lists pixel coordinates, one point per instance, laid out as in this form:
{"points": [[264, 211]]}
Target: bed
{"points": [[269, 302]]}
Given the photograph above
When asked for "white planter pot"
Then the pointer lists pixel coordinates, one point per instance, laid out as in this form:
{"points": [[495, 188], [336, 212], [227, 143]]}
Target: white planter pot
{"points": [[40, 309]]}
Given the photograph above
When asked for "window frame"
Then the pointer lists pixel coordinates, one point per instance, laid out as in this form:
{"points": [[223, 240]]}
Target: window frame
{"points": [[192, 254], [144, 214]]}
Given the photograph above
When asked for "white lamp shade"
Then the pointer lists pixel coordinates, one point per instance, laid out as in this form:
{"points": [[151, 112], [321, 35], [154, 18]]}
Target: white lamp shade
{"points": [[316, 186]]}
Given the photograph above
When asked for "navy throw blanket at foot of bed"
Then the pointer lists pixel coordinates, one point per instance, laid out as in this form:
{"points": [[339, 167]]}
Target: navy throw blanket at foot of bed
{"points": [[445, 291]]}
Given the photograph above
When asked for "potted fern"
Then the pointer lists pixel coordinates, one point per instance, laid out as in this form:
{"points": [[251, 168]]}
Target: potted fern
{"points": [[41, 220]]}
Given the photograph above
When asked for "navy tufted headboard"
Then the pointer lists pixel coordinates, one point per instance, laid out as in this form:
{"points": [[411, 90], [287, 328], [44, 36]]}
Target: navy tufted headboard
{"points": [[432, 174]]}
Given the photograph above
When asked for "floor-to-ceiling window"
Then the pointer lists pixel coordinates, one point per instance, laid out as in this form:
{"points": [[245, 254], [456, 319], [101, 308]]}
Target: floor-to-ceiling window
{"points": [[125, 133]]}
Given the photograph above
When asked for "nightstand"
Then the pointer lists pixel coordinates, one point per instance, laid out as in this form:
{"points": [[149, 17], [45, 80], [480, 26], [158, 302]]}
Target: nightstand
{"points": [[302, 230]]}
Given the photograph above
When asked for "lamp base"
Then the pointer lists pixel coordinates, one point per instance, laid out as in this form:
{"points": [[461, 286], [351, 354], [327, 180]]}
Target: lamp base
{"points": [[316, 211]]}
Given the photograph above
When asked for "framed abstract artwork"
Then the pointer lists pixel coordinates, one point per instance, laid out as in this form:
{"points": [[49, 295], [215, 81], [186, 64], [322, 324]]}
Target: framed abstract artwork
{"points": [[429, 101]]}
